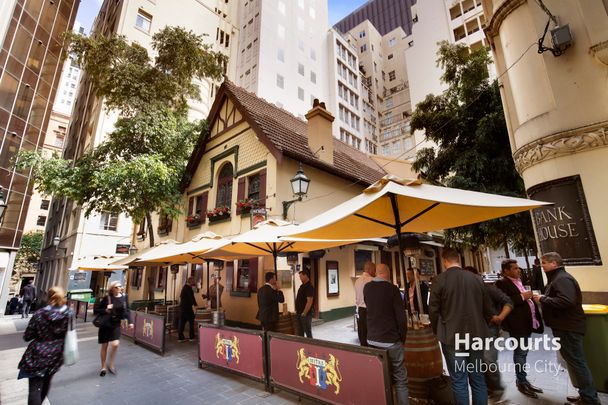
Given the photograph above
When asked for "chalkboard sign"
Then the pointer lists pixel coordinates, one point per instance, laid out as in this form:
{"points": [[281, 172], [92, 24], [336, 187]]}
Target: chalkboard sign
{"points": [[427, 267], [361, 257], [565, 227]]}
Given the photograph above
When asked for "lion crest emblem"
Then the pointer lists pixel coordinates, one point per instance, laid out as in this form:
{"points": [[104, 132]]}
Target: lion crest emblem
{"points": [[227, 349], [320, 373], [148, 330]]}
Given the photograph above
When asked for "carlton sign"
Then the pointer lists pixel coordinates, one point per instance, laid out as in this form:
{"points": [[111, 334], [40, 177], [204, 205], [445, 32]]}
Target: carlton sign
{"points": [[566, 226]]}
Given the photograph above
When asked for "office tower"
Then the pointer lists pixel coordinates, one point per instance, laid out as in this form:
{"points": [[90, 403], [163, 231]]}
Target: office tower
{"points": [[29, 75]]}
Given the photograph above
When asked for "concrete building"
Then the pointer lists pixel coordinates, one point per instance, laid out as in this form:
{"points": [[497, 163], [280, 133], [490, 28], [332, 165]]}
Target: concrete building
{"points": [[29, 75], [455, 21], [282, 51], [69, 234], [556, 108]]}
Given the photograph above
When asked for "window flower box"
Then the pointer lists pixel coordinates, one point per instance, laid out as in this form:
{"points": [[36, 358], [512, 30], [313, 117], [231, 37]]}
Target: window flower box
{"points": [[193, 220], [218, 214], [245, 206]]}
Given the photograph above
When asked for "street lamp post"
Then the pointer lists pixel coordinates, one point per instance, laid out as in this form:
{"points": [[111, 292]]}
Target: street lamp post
{"points": [[299, 186]]}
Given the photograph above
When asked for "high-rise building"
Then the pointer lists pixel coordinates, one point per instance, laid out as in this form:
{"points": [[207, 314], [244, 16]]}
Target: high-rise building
{"points": [[458, 22], [284, 59], [385, 15], [69, 234], [29, 76]]}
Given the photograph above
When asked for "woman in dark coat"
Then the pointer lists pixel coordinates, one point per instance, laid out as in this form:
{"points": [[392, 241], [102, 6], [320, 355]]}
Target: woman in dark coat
{"points": [[44, 355], [115, 305]]}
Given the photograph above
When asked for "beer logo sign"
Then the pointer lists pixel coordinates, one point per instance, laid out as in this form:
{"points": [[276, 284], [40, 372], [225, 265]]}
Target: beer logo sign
{"points": [[320, 373], [227, 349], [148, 330]]}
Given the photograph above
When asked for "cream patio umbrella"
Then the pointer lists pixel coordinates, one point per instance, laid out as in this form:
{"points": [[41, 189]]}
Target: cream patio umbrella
{"points": [[97, 263], [187, 252], [392, 206], [265, 240]]}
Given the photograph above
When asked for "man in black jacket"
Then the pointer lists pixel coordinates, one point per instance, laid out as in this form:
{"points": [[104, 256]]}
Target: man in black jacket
{"points": [[563, 312], [187, 301], [386, 325], [269, 297], [521, 322], [29, 296], [460, 308]]}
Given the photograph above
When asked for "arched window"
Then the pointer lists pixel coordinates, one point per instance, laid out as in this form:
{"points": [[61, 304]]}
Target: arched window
{"points": [[224, 187]]}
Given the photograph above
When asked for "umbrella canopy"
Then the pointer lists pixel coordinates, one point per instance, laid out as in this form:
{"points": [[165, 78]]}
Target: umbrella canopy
{"points": [[161, 249], [265, 240], [392, 205], [187, 252], [97, 263]]}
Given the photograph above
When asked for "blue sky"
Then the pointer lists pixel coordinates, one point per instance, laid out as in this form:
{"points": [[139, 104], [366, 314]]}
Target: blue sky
{"points": [[337, 10]]}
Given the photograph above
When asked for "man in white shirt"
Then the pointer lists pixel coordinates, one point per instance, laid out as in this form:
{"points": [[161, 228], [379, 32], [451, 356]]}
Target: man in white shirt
{"points": [[369, 272]]}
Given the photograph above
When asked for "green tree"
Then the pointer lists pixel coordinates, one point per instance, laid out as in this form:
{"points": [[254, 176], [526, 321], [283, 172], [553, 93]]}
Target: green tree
{"points": [[137, 169], [467, 124], [28, 256]]}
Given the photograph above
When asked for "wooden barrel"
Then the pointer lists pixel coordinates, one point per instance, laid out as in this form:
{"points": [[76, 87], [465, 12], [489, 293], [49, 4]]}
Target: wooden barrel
{"points": [[160, 309], [285, 324], [172, 317], [423, 360], [203, 315]]}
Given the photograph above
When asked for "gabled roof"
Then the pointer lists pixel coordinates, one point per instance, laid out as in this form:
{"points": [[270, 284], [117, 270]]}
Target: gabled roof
{"points": [[285, 135]]}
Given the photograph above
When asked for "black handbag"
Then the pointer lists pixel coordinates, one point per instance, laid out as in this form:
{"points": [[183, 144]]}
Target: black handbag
{"points": [[103, 320]]}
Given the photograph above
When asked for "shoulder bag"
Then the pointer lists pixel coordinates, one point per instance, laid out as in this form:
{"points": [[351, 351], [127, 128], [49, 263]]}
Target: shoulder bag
{"points": [[70, 347]]}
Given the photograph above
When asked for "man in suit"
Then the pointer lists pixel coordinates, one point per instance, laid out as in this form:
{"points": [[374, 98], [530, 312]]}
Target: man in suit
{"points": [[524, 319], [412, 294], [187, 301], [29, 296], [459, 307], [269, 297]]}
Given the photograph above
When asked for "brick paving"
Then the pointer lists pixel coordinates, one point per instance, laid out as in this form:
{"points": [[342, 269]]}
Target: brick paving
{"points": [[147, 378]]}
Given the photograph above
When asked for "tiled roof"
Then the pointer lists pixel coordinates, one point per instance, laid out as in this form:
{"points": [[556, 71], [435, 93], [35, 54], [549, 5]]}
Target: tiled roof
{"points": [[287, 134]]}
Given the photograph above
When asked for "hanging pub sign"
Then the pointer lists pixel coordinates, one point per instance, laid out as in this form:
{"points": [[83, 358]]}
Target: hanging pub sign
{"points": [[122, 248], [565, 227], [258, 215]]}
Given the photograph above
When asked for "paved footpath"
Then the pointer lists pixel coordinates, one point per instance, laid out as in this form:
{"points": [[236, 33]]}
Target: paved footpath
{"points": [[147, 378]]}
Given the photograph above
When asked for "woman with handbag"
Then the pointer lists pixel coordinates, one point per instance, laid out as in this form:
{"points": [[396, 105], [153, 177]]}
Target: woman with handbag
{"points": [[44, 355], [110, 311]]}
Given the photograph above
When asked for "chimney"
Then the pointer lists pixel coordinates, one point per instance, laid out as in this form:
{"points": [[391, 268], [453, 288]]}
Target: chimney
{"points": [[319, 133]]}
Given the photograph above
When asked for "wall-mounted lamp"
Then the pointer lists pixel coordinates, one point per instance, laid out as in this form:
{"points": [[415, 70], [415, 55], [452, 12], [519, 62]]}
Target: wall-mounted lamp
{"points": [[132, 250], [2, 204], [299, 186], [56, 241]]}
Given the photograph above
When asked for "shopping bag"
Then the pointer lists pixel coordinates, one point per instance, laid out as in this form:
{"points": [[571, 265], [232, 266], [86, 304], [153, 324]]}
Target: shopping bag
{"points": [[70, 346]]}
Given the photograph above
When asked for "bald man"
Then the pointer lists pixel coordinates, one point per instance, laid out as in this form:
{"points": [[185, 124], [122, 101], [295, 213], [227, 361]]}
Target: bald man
{"points": [[386, 325]]}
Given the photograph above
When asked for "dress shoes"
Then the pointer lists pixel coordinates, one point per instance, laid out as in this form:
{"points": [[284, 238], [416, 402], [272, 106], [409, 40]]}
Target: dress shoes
{"points": [[535, 389], [527, 390], [573, 398]]}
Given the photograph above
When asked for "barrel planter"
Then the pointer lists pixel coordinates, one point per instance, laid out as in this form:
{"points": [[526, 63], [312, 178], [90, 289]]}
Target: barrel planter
{"points": [[204, 315], [423, 361]]}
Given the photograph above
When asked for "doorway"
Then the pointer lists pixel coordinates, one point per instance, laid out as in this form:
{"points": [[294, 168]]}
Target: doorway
{"points": [[312, 266]]}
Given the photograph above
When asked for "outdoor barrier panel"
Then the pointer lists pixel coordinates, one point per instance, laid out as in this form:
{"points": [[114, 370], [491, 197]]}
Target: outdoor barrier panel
{"points": [[73, 305], [124, 326], [150, 331], [240, 351], [330, 372], [83, 307]]}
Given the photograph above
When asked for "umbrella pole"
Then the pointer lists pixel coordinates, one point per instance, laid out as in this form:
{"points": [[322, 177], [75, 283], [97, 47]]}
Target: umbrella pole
{"points": [[208, 276], [274, 257], [401, 251], [166, 283]]}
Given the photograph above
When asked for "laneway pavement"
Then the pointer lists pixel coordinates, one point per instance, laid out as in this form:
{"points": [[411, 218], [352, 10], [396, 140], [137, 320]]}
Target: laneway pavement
{"points": [[148, 378]]}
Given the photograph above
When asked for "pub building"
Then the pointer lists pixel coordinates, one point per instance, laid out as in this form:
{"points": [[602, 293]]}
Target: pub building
{"points": [[246, 163]]}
